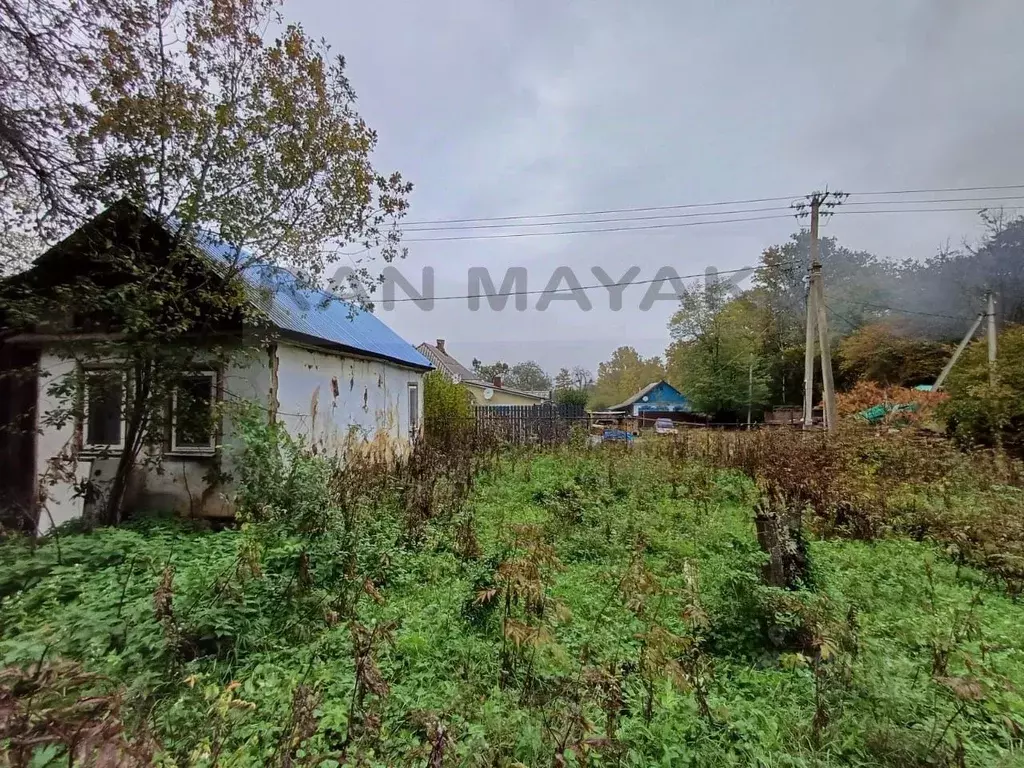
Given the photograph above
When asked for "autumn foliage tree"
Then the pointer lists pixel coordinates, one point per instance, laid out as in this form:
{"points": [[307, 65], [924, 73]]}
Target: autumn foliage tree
{"points": [[624, 374], [199, 124], [878, 353]]}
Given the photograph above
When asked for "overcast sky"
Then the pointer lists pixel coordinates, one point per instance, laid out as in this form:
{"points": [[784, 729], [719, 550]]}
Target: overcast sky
{"points": [[507, 107]]}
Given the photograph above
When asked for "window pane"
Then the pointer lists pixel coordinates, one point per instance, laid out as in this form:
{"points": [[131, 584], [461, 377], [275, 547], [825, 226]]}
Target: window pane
{"points": [[414, 407], [193, 418], [104, 398]]}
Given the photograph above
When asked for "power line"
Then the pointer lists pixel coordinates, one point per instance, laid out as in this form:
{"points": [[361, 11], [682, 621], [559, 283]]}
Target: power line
{"points": [[904, 210], [936, 200], [700, 213], [721, 203], [853, 326], [715, 204], [602, 229], [602, 221], [940, 189], [903, 311], [588, 287], [505, 235]]}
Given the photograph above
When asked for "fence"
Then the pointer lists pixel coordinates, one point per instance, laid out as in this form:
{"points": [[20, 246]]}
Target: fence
{"points": [[525, 424]]}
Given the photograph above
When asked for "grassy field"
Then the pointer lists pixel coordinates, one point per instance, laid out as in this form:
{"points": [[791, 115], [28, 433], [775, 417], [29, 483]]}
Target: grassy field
{"points": [[571, 607]]}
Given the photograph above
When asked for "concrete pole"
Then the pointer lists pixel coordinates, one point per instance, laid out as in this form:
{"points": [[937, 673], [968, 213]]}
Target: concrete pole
{"points": [[811, 322], [750, 390], [959, 351], [991, 300], [831, 412]]}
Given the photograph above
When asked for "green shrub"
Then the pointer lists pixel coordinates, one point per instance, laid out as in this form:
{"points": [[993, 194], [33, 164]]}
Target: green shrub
{"points": [[978, 413], [447, 406]]}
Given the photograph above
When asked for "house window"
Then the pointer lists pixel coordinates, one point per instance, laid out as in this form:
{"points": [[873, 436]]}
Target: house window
{"points": [[192, 405], [414, 409], [104, 408]]}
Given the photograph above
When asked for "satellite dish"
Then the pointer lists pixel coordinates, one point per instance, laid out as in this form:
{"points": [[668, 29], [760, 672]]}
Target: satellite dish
{"points": [[488, 393], [645, 398]]}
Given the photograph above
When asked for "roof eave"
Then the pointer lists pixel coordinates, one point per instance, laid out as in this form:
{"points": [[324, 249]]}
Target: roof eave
{"points": [[332, 346]]}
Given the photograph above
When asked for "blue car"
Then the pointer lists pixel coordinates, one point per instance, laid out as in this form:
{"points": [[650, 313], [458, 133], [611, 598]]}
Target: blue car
{"points": [[616, 436]]}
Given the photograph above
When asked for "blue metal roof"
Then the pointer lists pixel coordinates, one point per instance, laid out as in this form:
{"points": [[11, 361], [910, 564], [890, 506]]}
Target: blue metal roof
{"points": [[314, 313]]}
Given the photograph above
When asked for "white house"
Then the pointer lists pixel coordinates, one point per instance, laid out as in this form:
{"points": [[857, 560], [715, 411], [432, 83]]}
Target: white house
{"points": [[332, 375]]}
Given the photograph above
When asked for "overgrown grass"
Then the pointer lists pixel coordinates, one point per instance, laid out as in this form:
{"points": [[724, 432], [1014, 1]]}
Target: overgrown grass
{"points": [[579, 607]]}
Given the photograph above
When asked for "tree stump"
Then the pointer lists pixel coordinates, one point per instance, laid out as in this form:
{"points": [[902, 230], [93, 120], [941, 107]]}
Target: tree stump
{"points": [[779, 532]]}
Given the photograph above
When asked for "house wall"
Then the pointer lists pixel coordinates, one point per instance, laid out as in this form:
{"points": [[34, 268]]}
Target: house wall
{"points": [[500, 397], [329, 400], [662, 399], [322, 398], [56, 471]]}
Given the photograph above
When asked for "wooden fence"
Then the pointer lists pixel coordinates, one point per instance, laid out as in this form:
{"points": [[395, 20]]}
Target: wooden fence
{"points": [[525, 424]]}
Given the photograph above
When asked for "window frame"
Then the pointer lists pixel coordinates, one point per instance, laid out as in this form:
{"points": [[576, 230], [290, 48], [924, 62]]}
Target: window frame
{"points": [[86, 371], [414, 422], [193, 450]]}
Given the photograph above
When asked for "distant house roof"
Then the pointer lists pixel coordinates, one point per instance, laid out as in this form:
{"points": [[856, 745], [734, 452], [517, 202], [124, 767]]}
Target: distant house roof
{"points": [[306, 314], [438, 355], [445, 362], [541, 393], [536, 394], [626, 404]]}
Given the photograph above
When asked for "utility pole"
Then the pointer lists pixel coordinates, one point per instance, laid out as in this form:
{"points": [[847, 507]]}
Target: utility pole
{"points": [[816, 318], [991, 310], [811, 324], [750, 390], [959, 351]]}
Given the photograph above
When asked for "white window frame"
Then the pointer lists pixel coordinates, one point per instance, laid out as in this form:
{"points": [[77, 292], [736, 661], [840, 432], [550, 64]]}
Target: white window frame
{"points": [[414, 426], [195, 449], [87, 372]]}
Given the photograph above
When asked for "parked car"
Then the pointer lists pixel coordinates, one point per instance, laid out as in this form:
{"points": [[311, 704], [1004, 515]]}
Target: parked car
{"points": [[665, 427], [617, 436]]}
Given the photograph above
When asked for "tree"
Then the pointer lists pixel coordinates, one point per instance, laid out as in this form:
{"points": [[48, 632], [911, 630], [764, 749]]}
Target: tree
{"points": [[52, 50], [447, 406], [854, 280], [582, 378], [877, 353], [197, 130], [978, 413], [489, 372], [573, 387], [624, 374], [528, 376], [956, 281], [716, 359]]}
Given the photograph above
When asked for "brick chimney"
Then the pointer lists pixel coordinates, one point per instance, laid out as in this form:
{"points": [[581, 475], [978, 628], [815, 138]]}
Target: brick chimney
{"points": [[496, 381], [440, 346]]}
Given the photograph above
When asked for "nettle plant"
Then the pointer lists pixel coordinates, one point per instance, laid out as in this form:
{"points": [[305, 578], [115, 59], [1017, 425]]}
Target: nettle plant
{"points": [[199, 134]]}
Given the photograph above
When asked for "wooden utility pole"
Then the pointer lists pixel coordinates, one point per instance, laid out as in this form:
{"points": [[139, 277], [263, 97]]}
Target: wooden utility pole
{"points": [[991, 311]]}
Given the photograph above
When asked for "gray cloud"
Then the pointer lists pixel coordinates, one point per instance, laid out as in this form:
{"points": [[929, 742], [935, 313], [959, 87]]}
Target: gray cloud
{"points": [[495, 107]]}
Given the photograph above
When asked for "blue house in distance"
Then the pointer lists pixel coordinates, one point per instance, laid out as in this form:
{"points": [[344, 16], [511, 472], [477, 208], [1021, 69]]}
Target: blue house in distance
{"points": [[657, 399]]}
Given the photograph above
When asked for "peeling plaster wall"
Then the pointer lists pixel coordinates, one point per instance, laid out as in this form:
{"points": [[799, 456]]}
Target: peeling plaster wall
{"points": [[329, 399], [177, 483], [55, 479], [322, 398]]}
